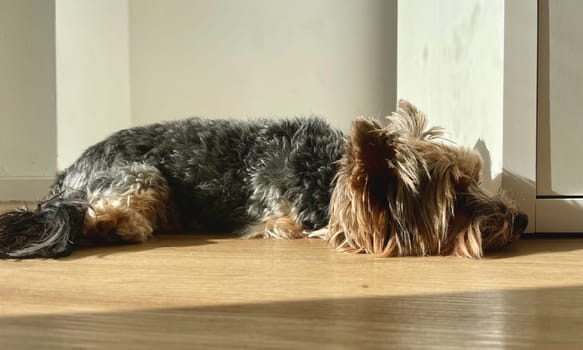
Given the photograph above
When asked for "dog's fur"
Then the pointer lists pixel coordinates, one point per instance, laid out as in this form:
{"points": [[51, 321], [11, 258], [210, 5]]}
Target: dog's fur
{"points": [[391, 190]]}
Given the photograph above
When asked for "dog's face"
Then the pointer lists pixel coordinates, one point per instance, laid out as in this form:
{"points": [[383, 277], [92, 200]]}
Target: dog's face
{"points": [[402, 191]]}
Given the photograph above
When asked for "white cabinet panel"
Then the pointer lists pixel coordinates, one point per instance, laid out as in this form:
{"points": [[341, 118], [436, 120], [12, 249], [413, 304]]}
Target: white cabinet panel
{"points": [[560, 123]]}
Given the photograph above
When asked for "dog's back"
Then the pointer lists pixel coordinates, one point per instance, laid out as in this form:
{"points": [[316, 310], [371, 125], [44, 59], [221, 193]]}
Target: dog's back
{"points": [[261, 177]]}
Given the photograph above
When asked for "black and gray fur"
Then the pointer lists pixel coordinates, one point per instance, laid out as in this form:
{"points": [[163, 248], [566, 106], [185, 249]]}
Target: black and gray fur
{"points": [[221, 176]]}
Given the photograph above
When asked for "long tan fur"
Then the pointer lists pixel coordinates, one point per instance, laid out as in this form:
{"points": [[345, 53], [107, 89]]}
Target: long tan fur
{"points": [[402, 191]]}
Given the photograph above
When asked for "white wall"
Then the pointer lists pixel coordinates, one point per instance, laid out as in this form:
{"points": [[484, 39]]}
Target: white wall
{"points": [[451, 64], [157, 60], [27, 97], [258, 58], [93, 84]]}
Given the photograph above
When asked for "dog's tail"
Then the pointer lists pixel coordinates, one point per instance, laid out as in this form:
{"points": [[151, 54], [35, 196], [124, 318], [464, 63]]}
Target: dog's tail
{"points": [[50, 230]]}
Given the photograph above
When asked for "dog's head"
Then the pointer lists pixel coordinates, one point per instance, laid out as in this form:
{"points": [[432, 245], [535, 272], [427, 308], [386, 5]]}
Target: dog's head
{"points": [[401, 191]]}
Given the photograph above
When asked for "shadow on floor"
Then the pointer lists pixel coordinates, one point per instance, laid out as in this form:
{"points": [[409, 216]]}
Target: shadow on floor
{"points": [[528, 245], [158, 241], [537, 318], [531, 245]]}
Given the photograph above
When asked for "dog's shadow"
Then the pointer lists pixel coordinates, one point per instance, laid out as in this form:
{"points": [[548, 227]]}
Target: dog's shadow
{"points": [[158, 241], [530, 244], [535, 244]]}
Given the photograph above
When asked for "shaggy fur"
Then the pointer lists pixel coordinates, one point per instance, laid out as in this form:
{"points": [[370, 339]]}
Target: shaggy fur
{"points": [[402, 192], [389, 190]]}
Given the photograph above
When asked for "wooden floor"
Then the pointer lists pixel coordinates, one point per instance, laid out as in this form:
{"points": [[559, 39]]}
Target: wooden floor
{"points": [[203, 292]]}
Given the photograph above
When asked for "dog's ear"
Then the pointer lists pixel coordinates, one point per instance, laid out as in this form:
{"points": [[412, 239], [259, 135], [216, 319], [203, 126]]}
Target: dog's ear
{"points": [[411, 122], [358, 209], [381, 154], [368, 150], [377, 163]]}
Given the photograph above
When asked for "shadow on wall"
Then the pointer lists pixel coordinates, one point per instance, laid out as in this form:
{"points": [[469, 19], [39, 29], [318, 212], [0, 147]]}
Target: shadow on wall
{"points": [[487, 180], [514, 186], [523, 192]]}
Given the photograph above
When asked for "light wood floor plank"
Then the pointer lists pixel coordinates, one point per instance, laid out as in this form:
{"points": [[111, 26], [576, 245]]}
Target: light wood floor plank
{"points": [[223, 292]]}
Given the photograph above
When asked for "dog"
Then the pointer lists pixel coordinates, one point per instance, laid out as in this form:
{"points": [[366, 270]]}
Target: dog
{"points": [[388, 190]]}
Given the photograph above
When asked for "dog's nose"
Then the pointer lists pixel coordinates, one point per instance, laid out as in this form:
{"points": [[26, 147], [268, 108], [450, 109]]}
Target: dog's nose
{"points": [[520, 222]]}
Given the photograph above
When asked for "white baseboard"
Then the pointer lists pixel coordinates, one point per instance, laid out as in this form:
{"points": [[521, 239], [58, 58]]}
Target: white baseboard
{"points": [[559, 215], [24, 188]]}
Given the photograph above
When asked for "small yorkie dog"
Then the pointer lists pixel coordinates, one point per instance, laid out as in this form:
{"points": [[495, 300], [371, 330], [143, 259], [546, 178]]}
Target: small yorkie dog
{"points": [[391, 190]]}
